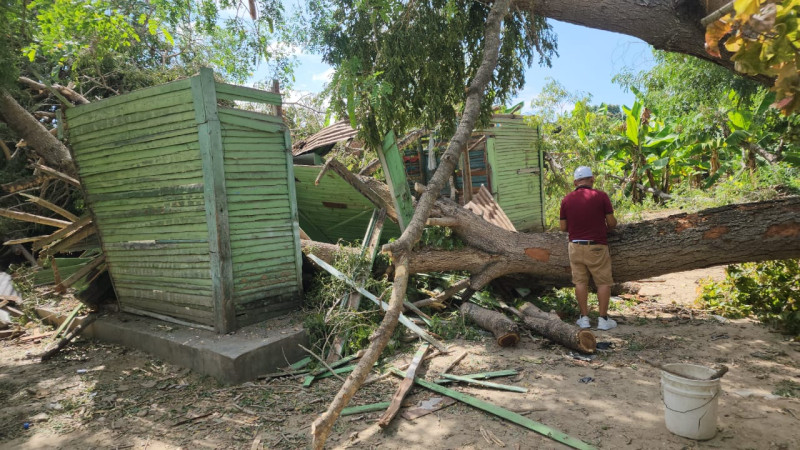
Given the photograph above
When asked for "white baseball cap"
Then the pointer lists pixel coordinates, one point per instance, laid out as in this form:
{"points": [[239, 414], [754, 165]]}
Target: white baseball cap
{"points": [[583, 172]]}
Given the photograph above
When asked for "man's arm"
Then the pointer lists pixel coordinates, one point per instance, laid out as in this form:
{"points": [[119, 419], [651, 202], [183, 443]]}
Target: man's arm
{"points": [[611, 221], [562, 224]]}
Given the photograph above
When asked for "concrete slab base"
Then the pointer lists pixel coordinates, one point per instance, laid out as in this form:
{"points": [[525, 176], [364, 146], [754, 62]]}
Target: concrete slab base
{"points": [[231, 358]]}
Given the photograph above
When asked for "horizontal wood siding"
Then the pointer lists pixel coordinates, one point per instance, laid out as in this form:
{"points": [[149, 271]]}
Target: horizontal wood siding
{"points": [[514, 147], [263, 245], [333, 209], [138, 158]]}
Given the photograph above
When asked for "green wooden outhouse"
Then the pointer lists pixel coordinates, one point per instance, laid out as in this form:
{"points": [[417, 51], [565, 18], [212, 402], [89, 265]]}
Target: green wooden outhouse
{"points": [[193, 197]]}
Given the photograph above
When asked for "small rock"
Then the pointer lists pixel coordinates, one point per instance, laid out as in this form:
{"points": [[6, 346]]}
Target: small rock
{"points": [[55, 406], [143, 412], [41, 417]]}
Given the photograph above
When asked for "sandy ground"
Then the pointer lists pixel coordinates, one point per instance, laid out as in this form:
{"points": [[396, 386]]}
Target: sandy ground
{"points": [[103, 396]]}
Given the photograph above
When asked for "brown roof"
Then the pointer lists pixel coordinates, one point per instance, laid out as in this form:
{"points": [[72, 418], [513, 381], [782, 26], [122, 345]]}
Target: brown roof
{"points": [[340, 131]]}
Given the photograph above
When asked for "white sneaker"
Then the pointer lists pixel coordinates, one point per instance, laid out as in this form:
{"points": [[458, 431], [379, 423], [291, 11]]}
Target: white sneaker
{"points": [[606, 324], [583, 322]]}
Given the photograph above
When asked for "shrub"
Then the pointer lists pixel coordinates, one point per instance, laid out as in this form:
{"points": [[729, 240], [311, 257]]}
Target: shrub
{"points": [[769, 290]]}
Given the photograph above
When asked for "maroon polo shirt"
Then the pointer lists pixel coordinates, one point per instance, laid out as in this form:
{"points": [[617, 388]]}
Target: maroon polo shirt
{"points": [[585, 211]]}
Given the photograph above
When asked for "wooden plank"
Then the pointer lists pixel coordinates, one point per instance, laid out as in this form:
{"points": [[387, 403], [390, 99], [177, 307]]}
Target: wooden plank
{"points": [[403, 319], [82, 272], [404, 387], [233, 92], [211, 151], [62, 233], [293, 216], [481, 376], [502, 412], [309, 379], [395, 172], [26, 217], [84, 110], [488, 384], [227, 118], [55, 208], [133, 131]]}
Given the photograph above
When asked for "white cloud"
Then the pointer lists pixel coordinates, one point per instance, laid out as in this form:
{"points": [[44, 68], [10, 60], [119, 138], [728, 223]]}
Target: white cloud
{"points": [[326, 76]]}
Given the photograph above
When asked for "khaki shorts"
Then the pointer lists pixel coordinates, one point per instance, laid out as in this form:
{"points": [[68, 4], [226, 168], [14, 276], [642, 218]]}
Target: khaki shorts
{"points": [[590, 259]]}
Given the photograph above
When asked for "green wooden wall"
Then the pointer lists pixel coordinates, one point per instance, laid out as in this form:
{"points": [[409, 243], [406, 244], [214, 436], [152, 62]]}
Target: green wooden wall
{"points": [[193, 201], [515, 165], [333, 209]]}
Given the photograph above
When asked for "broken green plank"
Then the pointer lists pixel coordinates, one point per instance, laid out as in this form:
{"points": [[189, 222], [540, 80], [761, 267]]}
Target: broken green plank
{"points": [[395, 172], [364, 409], [481, 376], [498, 411], [403, 319], [310, 378], [65, 324], [301, 364], [488, 384]]}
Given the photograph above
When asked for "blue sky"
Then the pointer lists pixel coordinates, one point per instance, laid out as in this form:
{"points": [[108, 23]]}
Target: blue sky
{"points": [[587, 61]]}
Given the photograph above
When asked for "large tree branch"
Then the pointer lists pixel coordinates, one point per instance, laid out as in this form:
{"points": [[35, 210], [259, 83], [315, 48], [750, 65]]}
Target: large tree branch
{"points": [[671, 25], [35, 134]]}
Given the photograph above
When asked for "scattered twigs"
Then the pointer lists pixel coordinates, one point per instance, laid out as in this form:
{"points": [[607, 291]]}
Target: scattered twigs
{"points": [[454, 363], [192, 419], [322, 361]]}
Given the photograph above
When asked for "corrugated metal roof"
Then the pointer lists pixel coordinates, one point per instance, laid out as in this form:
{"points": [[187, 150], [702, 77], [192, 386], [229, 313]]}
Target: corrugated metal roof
{"points": [[340, 131], [483, 204]]}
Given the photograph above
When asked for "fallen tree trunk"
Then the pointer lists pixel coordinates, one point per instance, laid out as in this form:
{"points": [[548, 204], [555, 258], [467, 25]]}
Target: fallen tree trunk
{"points": [[730, 234], [503, 328], [550, 326]]}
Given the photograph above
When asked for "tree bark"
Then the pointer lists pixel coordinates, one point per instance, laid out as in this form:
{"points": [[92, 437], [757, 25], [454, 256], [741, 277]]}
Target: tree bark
{"points": [[671, 25], [503, 328], [35, 134], [730, 234], [552, 327]]}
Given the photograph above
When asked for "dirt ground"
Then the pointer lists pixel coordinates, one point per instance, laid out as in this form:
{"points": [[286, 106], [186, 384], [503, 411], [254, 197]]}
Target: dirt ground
{"points": [[104, 396]]}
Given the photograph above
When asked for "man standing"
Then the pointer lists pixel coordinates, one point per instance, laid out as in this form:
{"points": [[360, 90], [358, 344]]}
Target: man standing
{"points": [[587, 215]]}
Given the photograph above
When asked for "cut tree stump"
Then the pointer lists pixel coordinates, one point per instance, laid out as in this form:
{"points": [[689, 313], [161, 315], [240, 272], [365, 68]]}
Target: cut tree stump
{"points": [[552, 327], [503, 328]]}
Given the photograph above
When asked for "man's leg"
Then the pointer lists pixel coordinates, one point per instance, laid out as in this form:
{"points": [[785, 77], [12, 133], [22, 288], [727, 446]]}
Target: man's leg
{"points": [[582, 295], [603, 297]]}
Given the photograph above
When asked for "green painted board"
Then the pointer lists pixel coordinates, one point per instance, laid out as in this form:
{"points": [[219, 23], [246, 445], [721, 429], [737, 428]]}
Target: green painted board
{"points": [[395, 172]]}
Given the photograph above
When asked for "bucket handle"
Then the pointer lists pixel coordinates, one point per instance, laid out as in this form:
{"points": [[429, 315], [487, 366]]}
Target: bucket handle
{"points": [[689, 410]]}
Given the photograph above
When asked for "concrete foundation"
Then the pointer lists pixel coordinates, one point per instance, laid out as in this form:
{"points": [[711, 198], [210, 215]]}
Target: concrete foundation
{"points": [[231, 358]]}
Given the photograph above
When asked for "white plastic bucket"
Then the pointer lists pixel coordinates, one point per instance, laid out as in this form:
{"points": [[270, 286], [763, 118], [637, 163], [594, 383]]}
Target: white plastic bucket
{"points": [[690, 406]]}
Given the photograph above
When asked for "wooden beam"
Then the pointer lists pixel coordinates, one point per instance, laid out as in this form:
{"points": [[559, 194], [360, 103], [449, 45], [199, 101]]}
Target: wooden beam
{"points": [[62, 233], [26, 217], [395, 172], [502, 413], [364, 408], [82, 272], [55, 208], [56, 174], [481, 376], [353, 180], [488, 384], [209, 132], [404, 387]]}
